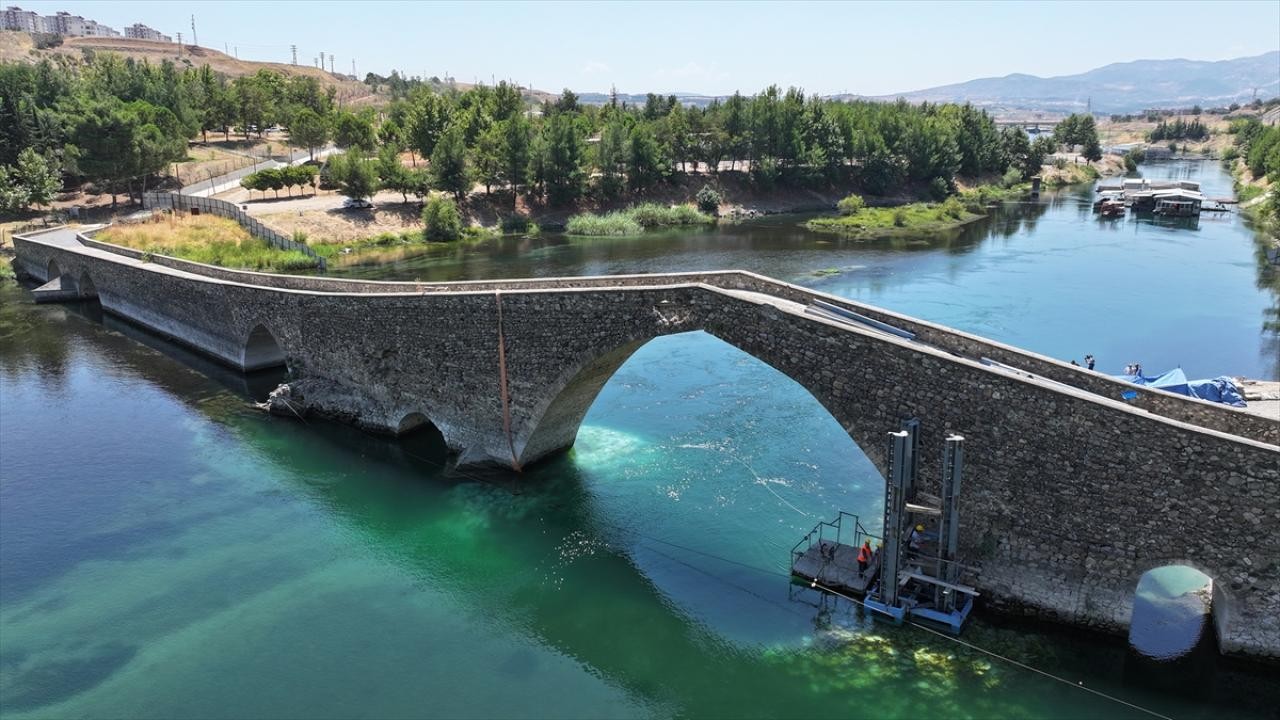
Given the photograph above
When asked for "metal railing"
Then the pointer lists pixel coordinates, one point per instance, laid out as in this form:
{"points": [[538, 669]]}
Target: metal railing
{"points": [[837, 527]]}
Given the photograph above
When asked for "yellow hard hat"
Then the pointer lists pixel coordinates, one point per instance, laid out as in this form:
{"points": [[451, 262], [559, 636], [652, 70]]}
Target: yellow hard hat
{"points": [[920, 527]]}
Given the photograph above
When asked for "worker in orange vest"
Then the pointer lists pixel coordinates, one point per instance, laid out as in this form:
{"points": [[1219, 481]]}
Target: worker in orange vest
{"points": [[864, 557]]}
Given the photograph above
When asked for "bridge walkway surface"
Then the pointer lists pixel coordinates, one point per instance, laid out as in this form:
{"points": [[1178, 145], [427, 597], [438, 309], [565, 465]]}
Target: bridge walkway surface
{"points": [[1071, 492]]}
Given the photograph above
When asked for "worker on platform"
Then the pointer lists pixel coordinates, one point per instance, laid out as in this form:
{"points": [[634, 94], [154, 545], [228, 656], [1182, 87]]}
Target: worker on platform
{"points": [[917, 537], [864, 557], [1089, 361]]}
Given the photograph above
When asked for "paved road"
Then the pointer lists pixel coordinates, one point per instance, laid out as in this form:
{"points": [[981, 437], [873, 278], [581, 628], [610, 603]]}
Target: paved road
{"points": [[221, 183]]}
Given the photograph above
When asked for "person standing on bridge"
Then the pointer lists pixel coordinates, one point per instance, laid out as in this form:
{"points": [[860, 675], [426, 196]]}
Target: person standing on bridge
{"points": [[1088, 361]]}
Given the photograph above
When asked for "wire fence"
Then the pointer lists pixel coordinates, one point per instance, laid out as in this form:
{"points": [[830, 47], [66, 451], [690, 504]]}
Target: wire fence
{"points": [[231, 211]]}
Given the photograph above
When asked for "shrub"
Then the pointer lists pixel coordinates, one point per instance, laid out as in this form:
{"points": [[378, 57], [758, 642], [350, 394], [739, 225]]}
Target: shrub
{"points": [[517, 223], [1011, 177], [952, 208], [709, 199], [635, 220], [614, 223], [442, 221], [939, 188], [851, 205], [899, 217], [1230, 154]]}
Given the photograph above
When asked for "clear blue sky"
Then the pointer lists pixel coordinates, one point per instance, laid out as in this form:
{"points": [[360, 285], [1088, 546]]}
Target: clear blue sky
{"points": [[712, 47]]}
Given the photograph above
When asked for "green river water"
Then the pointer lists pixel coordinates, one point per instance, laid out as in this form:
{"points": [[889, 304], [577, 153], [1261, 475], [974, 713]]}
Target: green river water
{"points": [[168, 552]]}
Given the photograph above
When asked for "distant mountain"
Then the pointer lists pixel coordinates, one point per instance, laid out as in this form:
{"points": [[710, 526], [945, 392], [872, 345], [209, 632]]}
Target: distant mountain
{"points": [[1120, 87]]}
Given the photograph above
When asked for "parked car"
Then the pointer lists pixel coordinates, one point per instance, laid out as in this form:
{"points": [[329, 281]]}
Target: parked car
{"points": [[357, 204]]}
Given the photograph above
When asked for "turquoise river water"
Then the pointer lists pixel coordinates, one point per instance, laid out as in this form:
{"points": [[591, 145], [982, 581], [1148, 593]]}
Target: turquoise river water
{"points": [[168, 552]]}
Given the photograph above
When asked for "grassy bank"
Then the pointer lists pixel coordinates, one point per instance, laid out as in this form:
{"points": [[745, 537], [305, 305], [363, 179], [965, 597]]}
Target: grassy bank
{"points": [[860, 222], [635, 220], [205, 239]]}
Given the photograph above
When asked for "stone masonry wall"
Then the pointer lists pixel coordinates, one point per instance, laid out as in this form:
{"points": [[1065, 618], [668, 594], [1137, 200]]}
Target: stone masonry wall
{"points": [[1211, 415], [1068, 496]]}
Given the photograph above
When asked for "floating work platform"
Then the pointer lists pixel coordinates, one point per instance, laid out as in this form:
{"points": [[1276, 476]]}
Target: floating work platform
{"points": [[835, 565], [828, 556]]}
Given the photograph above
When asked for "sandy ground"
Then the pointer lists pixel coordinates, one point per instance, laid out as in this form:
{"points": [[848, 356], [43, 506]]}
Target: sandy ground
{"points": [[1262, 396]]}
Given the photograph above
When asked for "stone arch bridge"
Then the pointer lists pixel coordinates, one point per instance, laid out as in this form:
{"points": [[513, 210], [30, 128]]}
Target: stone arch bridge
{"points": [[1070, 492]]}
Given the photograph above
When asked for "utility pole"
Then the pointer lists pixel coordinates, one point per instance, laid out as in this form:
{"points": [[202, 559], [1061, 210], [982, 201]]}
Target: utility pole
{"points": [[195, 39], [226, 48], [331, 70], [353, 67], [179, 44], [294, 50]]}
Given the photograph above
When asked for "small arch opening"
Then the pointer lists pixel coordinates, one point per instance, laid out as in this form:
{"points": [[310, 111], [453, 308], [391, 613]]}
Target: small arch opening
{"points": [[52, 272], [87, 289], [261, 350], [421, 440], [1178, 614], [1173, 612]]}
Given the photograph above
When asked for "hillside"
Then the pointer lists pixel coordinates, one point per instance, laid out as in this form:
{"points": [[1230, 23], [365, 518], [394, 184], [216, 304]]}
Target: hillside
{"points": [[18, 47], [1120, 87]]}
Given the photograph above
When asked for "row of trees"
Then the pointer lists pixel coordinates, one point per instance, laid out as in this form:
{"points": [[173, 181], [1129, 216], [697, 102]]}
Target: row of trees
{"points": [[118, 122], [485, 135], [1259, 145], [1178, 129], [281, 178]]}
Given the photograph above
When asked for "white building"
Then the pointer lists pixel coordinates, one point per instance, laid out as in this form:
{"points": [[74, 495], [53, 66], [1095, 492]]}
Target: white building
{"points": [[15, 18], [138, 31], [64, 23]]}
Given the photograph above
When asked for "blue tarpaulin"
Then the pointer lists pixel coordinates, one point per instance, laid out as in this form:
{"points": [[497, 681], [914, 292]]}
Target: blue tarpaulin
{"points": [[1219, 389]]}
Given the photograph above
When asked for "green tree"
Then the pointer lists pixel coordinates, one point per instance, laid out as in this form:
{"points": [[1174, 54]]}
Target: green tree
{"points": [[354, 131], [564, 147], [393, 175], [39, 178], [490, 158], [450, 171], [308, 130], [516, 146], [645, 161], [354, 174], [441, 220], [611, 158], [428, 117]]}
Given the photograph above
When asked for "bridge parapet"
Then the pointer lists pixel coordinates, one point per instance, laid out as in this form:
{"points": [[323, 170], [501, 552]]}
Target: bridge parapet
{"points": [[1178, 407]]}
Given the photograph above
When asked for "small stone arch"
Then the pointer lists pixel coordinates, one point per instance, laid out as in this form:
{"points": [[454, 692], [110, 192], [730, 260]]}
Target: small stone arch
{"points": [[1221, 605], [412, 422], [87, 289], [261, 350], [52, 271], [422, 439]]}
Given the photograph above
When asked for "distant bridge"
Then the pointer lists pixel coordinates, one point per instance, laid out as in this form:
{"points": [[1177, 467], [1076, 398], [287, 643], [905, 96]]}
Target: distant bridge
{"points": [[1070, 493]]}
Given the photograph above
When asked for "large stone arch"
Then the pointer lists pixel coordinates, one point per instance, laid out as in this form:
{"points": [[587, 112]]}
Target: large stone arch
{"points": [[554, 419], [557, 417], [261, 350]]}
